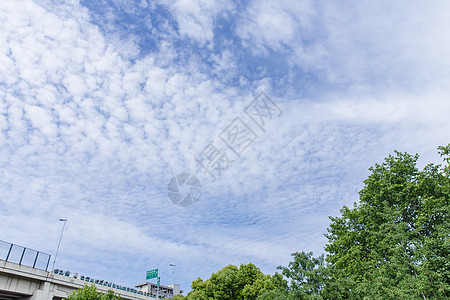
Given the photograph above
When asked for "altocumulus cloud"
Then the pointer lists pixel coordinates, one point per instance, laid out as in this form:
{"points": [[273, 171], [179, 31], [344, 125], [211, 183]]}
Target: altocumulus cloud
{"points": [[101, 103]]}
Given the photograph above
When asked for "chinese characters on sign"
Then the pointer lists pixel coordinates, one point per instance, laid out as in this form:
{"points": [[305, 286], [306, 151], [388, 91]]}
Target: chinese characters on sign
{"points": [[151, 274]]}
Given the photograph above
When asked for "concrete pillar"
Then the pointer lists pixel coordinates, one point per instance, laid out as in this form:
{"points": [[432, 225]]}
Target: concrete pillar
{"points": [[43, 293]]}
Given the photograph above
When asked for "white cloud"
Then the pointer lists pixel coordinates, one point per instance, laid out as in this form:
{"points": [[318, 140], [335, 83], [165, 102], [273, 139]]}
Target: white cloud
{"points": [[89, 133], [387, 44], [196, 18], [375, 45], [275, 24], [41, 120]]}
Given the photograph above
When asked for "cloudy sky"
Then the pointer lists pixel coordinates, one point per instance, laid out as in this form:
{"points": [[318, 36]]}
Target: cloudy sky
{"points": [[103, 102]]}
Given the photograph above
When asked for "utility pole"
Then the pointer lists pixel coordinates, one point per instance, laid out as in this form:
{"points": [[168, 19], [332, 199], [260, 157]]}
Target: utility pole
{"points": [[173, 272], [59, 242]]}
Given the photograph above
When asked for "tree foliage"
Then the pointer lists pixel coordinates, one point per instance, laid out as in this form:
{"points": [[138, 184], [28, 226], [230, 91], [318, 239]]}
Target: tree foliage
{"points": [[393, 244], [244, 283], [89, 292], [308, 275]]}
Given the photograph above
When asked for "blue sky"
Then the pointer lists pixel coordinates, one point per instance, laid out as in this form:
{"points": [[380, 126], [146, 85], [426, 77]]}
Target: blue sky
{"points": [[102, 103]]}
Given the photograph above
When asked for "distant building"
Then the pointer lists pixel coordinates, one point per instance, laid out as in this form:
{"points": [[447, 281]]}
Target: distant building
{"points": [[164, 291]]}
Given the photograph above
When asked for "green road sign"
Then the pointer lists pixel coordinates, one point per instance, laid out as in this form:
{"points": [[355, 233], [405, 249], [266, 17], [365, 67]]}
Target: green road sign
{"points": [[158, 282], [152, 274]]}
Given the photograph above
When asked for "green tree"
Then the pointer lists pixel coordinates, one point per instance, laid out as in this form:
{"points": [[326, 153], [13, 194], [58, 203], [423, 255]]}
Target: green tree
{"points": [[307, 275], [89, 292], [394, 243], [246, 282], [311, 278], [277, 294]]}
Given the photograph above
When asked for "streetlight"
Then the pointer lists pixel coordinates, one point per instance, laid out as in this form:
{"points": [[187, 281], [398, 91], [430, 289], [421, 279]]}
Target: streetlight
{"points": [[173, 272], [57, 249]]}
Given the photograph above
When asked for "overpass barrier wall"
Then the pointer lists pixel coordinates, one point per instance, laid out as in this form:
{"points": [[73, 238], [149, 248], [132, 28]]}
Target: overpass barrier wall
{"points": [[24, 256]]}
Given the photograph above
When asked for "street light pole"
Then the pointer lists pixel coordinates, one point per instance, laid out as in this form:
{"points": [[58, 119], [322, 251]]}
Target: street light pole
{"points": [[173, 272], [59, 242]]}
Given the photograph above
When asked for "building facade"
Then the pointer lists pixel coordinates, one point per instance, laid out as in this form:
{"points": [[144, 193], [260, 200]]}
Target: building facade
{"points": [[164, 291]]}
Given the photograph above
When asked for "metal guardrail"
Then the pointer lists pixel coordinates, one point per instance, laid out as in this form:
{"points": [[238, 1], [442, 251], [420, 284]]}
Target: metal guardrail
{"points": [[24, 256]]}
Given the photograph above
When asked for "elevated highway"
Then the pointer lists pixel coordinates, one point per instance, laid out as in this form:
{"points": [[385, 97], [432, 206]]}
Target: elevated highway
{"points": [[23, 282]]}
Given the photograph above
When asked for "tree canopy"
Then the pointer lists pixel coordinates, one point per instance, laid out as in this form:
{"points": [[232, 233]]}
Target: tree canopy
{"points": [[244, 283], [89, 292], [393, 244]]}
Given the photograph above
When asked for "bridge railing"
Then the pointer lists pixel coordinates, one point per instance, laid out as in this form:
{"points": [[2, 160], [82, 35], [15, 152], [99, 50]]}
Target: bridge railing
{"points": [[24, 256]]}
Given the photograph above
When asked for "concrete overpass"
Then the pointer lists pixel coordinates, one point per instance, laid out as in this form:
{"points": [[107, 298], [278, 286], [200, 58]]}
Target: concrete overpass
{"points": [[23, 282]]}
